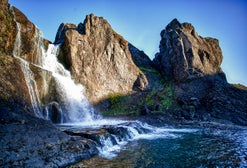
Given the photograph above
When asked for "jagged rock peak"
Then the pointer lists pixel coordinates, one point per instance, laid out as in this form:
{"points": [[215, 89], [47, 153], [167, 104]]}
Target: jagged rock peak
{"points": [[174, 24], [186, 55], [91, 24], [99, 58]]}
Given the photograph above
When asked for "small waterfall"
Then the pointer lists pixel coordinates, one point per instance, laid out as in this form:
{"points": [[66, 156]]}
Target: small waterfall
{"points": [[117, 136], [72, 99], [28, 74], [110, 136], [17, 46], [38, 48]]}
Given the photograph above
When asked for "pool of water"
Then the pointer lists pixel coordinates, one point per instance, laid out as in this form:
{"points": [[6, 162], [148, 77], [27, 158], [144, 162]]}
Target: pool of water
{"points": [[220, 146]]}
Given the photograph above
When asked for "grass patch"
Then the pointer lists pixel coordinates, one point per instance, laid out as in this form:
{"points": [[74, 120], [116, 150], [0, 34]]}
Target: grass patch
{"points": [[120, 105]]}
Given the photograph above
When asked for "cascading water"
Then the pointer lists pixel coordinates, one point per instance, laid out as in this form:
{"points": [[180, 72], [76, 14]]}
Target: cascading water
{"points": [[72, 99], [28, 74], [111, 136], [72, 102]]}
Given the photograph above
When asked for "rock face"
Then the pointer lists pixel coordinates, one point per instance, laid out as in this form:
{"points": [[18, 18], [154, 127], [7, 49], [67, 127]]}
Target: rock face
{"points": [[201, 87], [99, 58], [186, 55], [20, 39], [7, 29]]}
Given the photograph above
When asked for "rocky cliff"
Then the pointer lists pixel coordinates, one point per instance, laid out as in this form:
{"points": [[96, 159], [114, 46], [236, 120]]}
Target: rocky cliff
{"points": [[201, 88], [99, 58], [13, 86], [186, 55]]}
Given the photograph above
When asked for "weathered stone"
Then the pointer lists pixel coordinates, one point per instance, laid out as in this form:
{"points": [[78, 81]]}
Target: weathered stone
{"points": [[185, 55], [99, 58], [201, 88], [13, 86], [146, 66], [55, 112], [31, 38]]}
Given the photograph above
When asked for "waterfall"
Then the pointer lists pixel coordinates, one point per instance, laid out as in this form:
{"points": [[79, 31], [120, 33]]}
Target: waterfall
{"points": [[28, 74], [38, 48], [70, 100], [71, 96], [17, 45]]}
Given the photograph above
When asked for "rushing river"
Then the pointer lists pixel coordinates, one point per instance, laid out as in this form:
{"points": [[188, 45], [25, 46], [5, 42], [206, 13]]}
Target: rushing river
{"points": [[208, 146]]}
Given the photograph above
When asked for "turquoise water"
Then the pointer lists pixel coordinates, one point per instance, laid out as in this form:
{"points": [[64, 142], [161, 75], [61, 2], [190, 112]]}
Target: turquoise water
{"points": [[207, 147]]}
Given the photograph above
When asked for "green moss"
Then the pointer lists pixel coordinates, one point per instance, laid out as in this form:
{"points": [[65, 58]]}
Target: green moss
{"points": [[148, 70], [157, 101], [115, 98], [121, 105]]}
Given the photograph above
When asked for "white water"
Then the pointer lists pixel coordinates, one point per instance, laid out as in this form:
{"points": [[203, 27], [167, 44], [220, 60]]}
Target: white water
{"points": [[28, 74], [72, 99], [70, 96], [111, 143]]}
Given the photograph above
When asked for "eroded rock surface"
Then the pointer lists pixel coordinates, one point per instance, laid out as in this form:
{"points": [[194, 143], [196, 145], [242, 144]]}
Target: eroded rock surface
{"points": [[99, 58], [186, 55]]}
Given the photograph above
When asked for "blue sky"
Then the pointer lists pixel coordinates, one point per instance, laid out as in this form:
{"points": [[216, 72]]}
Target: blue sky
{"points": [[141, 21]]}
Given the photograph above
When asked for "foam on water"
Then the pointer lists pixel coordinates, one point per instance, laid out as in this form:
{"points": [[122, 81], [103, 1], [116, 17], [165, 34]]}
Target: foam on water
{"points": [[111, 143]]}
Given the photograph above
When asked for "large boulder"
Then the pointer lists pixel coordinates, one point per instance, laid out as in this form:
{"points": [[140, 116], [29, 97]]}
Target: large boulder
{"points": [[186, 55], [99, 58]]}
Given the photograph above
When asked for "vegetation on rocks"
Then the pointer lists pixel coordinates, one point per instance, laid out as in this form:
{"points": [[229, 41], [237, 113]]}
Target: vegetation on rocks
{"points": [[151, 101]]}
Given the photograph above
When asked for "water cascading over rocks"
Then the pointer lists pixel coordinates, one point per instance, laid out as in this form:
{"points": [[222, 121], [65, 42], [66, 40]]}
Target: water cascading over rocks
{"points": [[62, 99]]}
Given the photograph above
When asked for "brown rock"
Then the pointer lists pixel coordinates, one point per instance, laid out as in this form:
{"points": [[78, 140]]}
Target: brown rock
{"points": [[31, 38], [186, 55], [99, 58], [13, 86], [7, 29]]}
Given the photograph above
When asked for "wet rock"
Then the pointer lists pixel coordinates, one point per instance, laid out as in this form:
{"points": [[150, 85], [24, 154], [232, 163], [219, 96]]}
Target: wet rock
{"points": [[37, 142], [54, 112], [145, 110], [189, 112]]}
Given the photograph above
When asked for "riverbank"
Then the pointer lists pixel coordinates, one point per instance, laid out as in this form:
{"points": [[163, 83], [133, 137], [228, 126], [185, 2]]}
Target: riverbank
{"points": [[27, 141]]}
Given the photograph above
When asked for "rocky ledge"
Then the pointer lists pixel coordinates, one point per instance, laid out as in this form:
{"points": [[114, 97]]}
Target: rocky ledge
{"points": [[27, 141]]}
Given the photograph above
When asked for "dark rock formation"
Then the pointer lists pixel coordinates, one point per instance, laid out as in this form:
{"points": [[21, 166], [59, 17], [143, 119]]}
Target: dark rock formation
{"points": [[146, 66], [201, 88], [99, 58], [186, 55], [27, 141]]}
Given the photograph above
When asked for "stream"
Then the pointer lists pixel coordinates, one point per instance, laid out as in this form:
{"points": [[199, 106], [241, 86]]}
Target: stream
{"points": [[136, 144]]}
